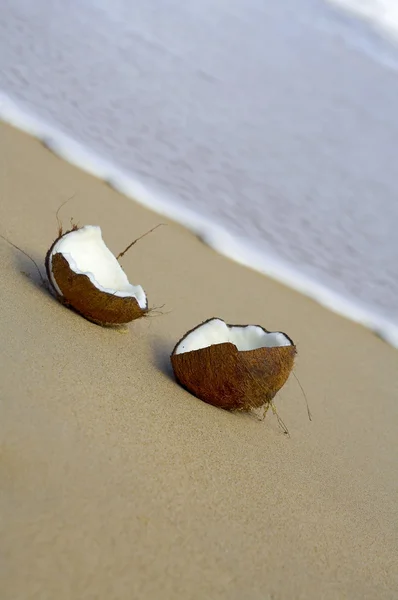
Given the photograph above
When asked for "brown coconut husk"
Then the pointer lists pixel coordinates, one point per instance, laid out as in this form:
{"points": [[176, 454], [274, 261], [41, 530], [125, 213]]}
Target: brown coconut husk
{"points": [[79, 293], [232, 379]]}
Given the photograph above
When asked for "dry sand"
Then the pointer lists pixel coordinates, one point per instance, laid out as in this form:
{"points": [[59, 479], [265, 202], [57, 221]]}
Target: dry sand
{"points": [[118, 484]]}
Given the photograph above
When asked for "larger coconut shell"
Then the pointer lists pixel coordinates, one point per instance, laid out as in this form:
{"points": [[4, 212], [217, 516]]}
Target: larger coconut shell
{"points": [[231, 379], [79, 293]]}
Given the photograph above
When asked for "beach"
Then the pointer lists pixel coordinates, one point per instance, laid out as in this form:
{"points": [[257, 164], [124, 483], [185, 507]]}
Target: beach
{"points": [[274, 121], [117, 483]]}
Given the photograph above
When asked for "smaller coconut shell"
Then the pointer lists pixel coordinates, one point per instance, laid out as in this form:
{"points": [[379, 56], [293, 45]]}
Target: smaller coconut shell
{"points": [[79, 293], [234, 379]]}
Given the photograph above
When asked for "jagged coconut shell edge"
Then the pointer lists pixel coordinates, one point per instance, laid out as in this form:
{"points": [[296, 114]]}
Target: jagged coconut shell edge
{"points": [[228, 325], [254, 382], [126, 309]]}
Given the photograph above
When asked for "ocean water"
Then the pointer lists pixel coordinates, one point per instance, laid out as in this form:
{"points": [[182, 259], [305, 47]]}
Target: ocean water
{"points": [[269, 128]]}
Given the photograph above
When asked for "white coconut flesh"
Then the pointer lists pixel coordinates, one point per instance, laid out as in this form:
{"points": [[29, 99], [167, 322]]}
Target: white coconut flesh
{"points": [[216, 331], [87, 254]]}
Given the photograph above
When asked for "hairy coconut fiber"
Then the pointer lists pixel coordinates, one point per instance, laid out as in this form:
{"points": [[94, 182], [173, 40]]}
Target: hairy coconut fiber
{"points": [[79, 293], [222, 375]]}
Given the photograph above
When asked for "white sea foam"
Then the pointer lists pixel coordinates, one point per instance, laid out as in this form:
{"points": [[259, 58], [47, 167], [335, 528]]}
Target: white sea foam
{"points": [[213, 235], [381, 14], [370, 26]]}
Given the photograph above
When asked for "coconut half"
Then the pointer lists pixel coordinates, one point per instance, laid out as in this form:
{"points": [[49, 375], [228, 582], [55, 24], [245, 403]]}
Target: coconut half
{"points": [[235, 367], [85, 275]]}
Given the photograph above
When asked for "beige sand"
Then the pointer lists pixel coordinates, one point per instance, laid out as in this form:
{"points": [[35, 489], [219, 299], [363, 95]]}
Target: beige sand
{"points": [[118, 484]]}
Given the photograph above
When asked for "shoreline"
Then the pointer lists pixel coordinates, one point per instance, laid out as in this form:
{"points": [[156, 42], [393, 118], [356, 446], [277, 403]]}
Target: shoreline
{"points": [[213, 235], [117, 483]]}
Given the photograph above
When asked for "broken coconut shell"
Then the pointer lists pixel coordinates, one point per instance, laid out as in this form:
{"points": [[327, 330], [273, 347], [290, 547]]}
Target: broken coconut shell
{"points": [[235, 367], [85, 275]]}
